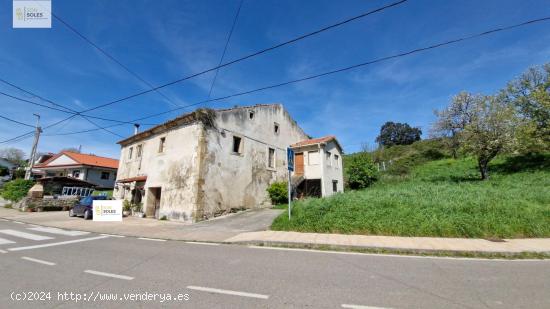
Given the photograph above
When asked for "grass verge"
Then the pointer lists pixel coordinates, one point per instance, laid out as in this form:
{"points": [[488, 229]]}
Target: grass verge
{"points": [[442, 198]]}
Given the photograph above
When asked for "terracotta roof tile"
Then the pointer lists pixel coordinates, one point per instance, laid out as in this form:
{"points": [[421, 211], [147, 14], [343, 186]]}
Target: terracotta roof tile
{"points": [[84, 159], [314, 141]]}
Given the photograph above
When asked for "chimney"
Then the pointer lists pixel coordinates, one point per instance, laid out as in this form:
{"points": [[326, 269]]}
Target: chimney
{"points": [[136, 128]]}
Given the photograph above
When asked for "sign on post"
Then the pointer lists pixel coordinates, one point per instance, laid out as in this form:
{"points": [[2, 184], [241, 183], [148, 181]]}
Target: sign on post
{"points": [[290, 160]]}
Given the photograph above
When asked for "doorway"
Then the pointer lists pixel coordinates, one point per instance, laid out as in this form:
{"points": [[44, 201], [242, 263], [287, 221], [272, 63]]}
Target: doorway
{"points": [[299, 163], [153, 202]]}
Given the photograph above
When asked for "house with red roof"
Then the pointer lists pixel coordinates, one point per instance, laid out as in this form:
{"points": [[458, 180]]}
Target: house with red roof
{"points": [[318, 169], [100, 171], [207, 163]]}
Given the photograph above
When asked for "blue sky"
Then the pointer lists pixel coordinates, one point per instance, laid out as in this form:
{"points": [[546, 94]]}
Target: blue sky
{"points": [[166, 40]]}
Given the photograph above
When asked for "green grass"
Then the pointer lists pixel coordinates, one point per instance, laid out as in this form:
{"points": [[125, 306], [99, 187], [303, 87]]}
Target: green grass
{"points": [[441, 198]]}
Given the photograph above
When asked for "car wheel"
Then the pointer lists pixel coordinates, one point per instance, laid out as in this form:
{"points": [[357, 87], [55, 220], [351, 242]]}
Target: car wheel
{"points": [[87, 215], [71, 213]]}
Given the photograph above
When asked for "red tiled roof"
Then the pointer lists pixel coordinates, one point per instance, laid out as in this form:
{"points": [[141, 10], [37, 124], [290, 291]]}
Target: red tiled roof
{"points": [[314, 141], [83, 159], [132, 179]]}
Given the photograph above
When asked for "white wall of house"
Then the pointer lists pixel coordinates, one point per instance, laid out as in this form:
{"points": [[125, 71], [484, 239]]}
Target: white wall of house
{"points": [[173, 170], [62, 160], [332, 169]]}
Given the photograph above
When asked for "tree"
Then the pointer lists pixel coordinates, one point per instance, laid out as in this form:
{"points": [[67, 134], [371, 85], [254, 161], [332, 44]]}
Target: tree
{"points": [[452, 120], [530, 95], [395, 133], [361, 171], [14, 155], [490, 130]]}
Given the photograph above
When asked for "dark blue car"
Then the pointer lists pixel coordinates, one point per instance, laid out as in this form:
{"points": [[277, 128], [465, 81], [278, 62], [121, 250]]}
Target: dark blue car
{"points": [[84, 208]]}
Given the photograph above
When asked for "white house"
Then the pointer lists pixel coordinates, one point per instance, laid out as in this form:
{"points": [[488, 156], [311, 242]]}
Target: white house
{"points": [[97, 170], [210, 162], [318, 167]]}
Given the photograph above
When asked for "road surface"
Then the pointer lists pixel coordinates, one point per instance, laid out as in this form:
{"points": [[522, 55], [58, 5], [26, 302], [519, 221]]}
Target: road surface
{"points": [[66, 269]]}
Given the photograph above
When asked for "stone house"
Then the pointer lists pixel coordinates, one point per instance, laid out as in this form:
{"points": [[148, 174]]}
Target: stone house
{"points": [[211, 162], [100, 171]]}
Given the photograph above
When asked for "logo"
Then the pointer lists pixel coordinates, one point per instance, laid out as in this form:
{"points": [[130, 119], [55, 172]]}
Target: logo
{"points": [[32, 14], [107, 210]]}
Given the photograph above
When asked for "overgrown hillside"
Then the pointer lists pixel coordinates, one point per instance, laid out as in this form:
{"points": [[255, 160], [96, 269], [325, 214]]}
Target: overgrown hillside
{"points": [[442, 198]]}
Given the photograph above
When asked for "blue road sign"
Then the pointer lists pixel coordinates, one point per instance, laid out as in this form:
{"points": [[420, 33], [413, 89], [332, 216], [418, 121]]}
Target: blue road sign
{"points": [[290, 159]]}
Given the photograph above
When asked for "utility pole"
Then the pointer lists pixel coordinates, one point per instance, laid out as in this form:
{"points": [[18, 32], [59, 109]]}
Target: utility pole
{"points": [[34, 146]]}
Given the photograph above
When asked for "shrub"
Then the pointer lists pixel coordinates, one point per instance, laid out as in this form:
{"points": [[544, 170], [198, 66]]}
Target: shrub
{"points": [[278, 192], [126, 206], [16, 189], [361, 171], [19, 173], [163, 218], [4, 171]]}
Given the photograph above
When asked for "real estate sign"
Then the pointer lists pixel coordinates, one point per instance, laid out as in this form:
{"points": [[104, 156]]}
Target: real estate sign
{"points": [[107, 210]]}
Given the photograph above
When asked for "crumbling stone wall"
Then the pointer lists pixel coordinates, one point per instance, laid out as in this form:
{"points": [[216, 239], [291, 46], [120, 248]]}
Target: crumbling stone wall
{"points": [[47, 203]]}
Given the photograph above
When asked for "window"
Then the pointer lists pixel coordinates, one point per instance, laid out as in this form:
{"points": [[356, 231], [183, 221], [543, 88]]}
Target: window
{"points": [[276, 128], [76, 173], [328, 156], [237, 145], [105, 175], [251, 115], [139, 151], [271, 158], [313, 157], [335, 186], [130, 152], [161, 144], [337, 161]]}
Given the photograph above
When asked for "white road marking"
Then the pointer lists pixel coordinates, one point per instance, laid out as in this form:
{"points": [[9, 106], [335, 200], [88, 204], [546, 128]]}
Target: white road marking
{"points": [[202, 243], [153, 239], [362, 307], [5, 241], [3, 220], [3, 251], [25, 235], [100, 273], [228, 292], [54, 230], [18, 222], [56, 243], [399, 256], [38, 261], [113, 235]]}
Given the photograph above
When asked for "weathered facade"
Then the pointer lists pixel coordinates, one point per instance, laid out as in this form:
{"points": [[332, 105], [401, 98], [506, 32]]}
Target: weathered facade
{"points": [[208, 162]]}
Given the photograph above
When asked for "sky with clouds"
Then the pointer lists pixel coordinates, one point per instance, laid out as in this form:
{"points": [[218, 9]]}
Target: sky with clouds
{"points": [[166, 40]]}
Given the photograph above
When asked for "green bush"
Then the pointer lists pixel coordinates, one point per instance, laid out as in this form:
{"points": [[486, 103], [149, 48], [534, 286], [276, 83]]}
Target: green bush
{"points": [[16, 189], [278, 192], [361, 171], [4, 171], [19, 173]]}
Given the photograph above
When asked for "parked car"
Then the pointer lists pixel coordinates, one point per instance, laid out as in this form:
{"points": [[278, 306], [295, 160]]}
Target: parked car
{"points": [[84, 208]]}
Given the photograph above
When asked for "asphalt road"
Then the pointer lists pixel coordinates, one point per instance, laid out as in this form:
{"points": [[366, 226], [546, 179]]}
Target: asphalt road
{"points": [[48, 265]]}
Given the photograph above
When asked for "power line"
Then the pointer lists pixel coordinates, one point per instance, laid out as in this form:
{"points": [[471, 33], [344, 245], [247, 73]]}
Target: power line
{"points": [[73, 112], [15, 121], [236, 60], [106, 54], [225, 47], [399, 55], [263, 51]]}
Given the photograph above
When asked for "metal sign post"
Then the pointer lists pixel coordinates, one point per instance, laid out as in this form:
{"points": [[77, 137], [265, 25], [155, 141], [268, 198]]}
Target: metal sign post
{"points": [[290, 160]]}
